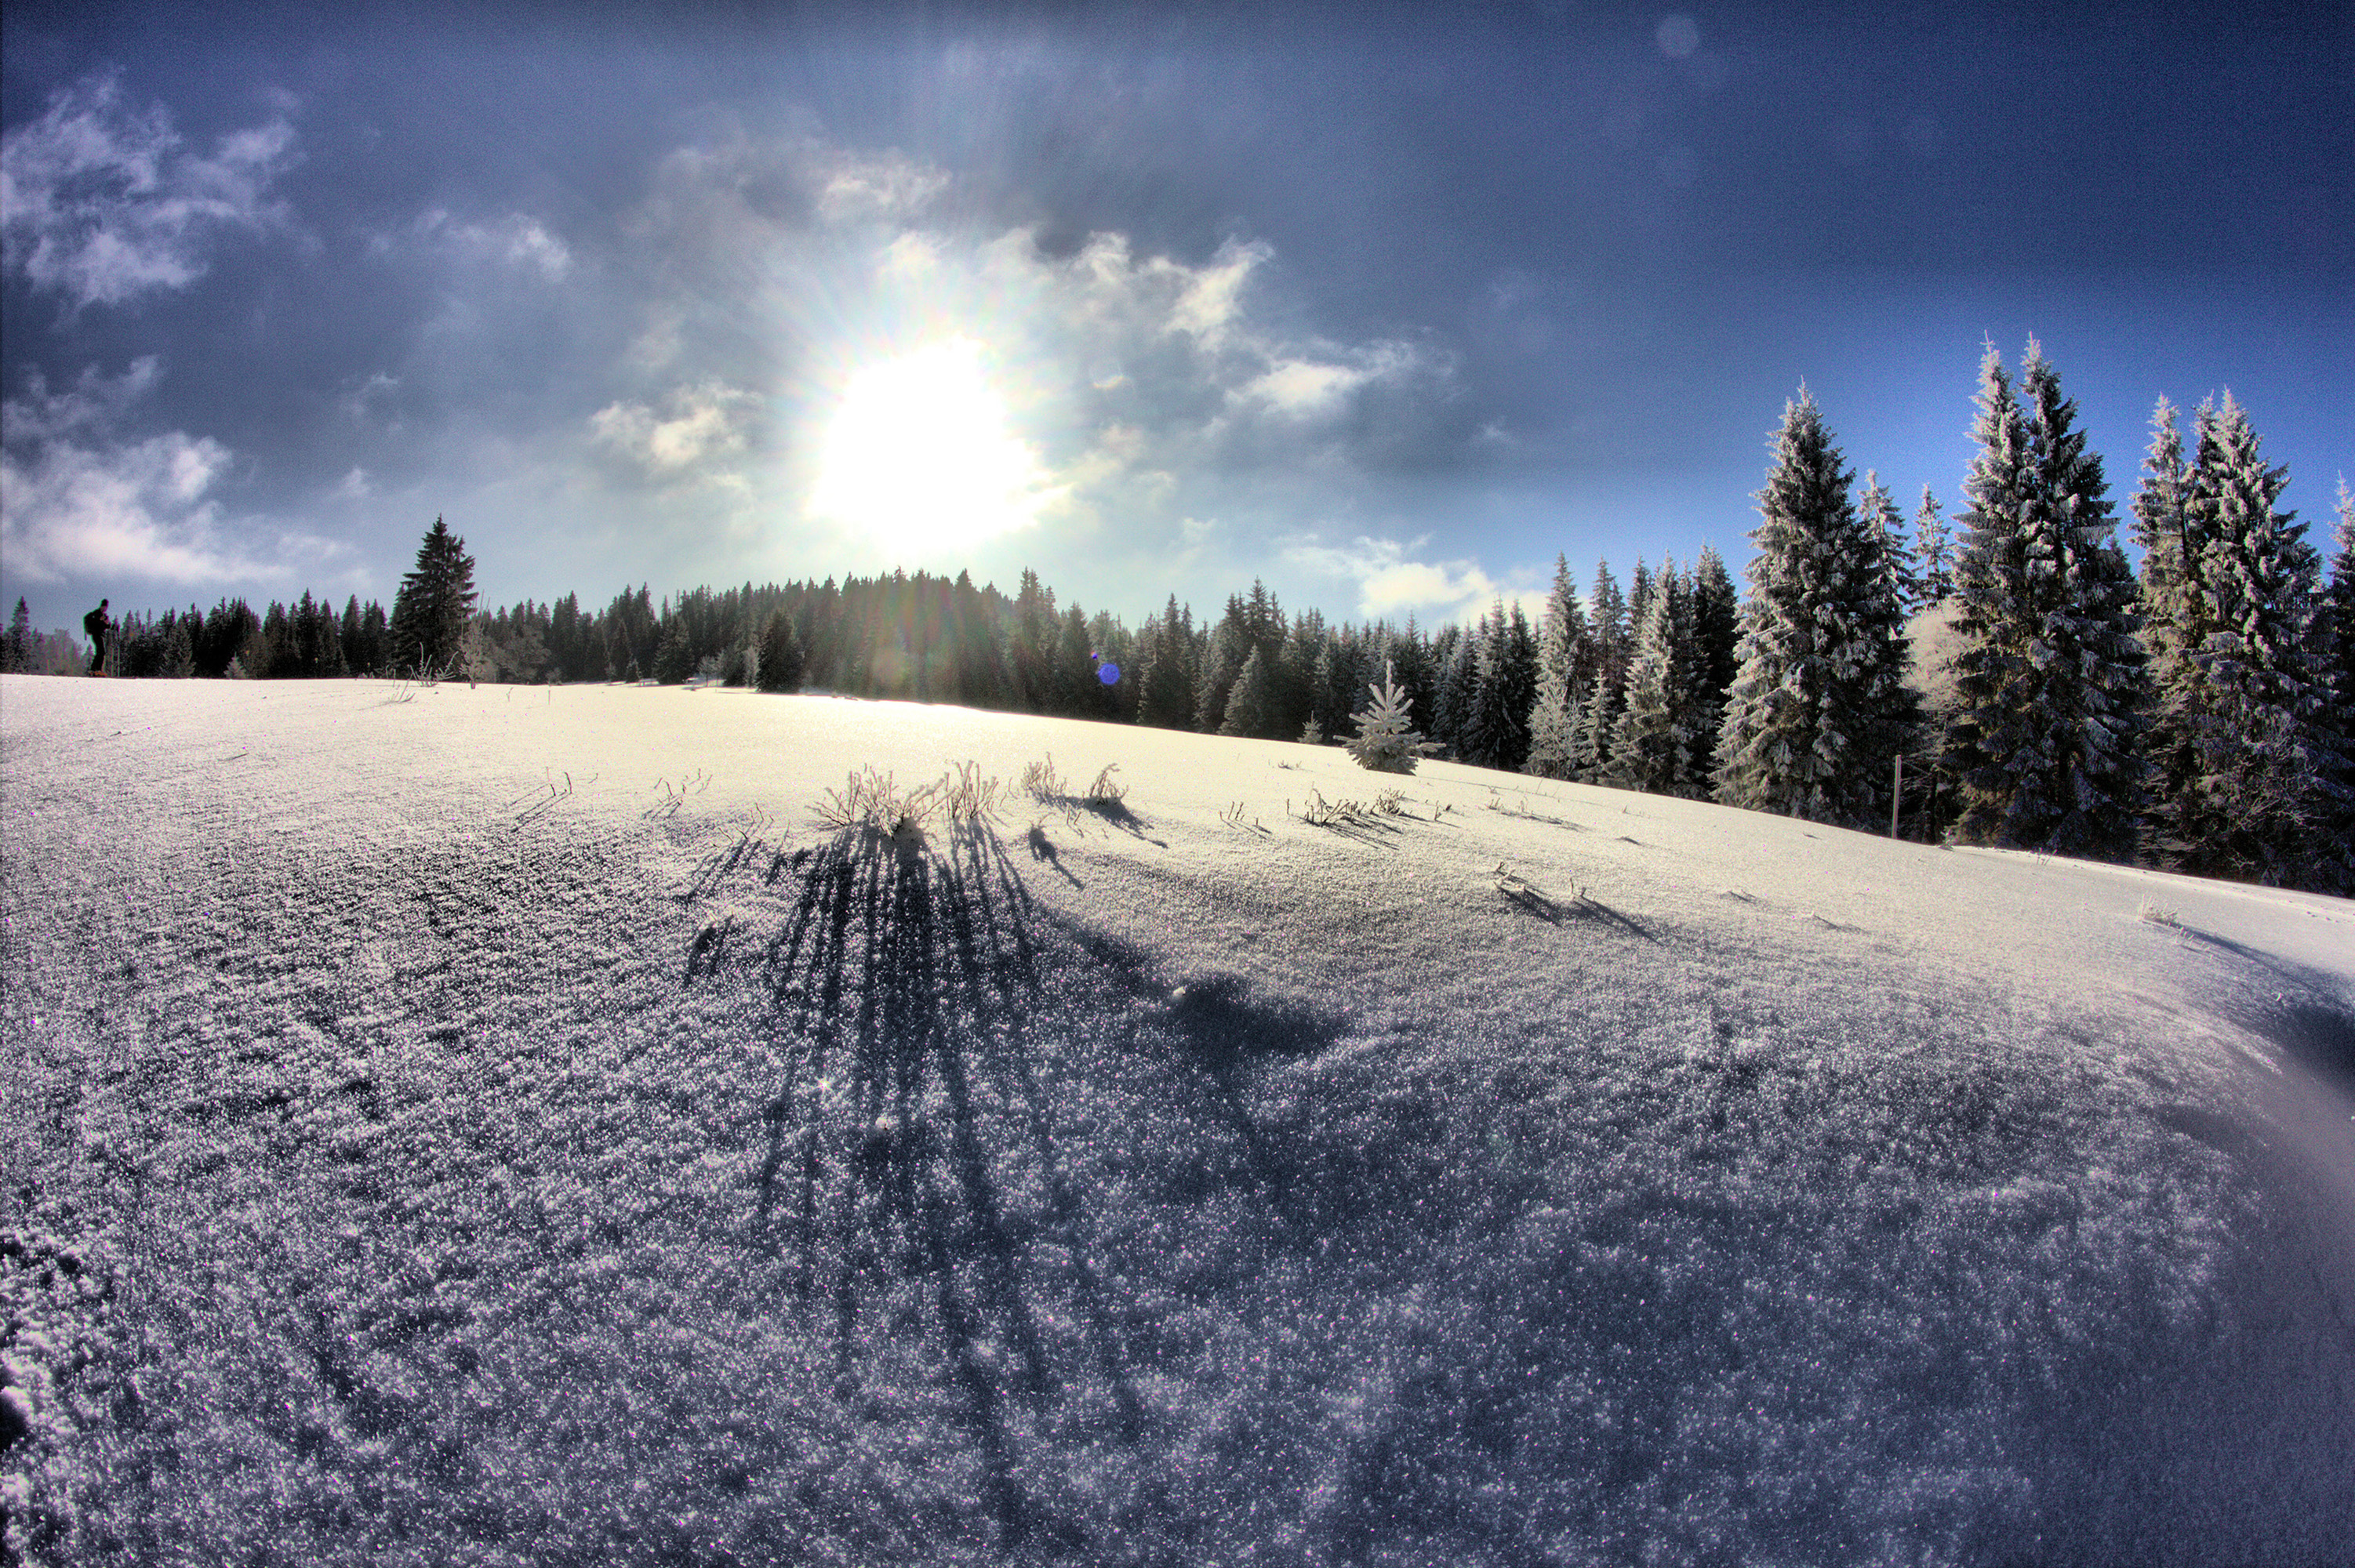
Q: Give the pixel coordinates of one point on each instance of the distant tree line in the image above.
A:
(2193, 716)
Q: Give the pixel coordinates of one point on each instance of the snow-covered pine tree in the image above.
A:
(1879, 510)
(1650, 748)
(1552, 721)
(1479, 737)
(1215, 678)
(1600, 698)
(17, 652)
(1934, 547)
(1386, 742)
(2249, 765)
(1457, 653)
(2051, 678)
(2337, 660)
(2336, 645)
(2339, 605)
(1820, 703)
(1639, 605)
(1507, 685)
(1717, 641)
(2160, 528)
(778, 659)
(435, 604)
(1247, 700)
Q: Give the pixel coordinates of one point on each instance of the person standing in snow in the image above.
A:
(95, 624)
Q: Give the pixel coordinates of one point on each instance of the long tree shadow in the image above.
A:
(912, 1186)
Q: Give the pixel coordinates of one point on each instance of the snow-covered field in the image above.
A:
(499, 1126)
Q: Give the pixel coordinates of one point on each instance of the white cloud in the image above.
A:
(132, 510)
(1389, 584)
(78, 500)
(705, 421)
(103, 204)
(858, 187)
(355, 486)
(1301, 387)
(514, 240)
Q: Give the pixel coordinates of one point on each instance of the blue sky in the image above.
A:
(1385, 306)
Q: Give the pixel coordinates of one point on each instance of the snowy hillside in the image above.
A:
(500, 1126)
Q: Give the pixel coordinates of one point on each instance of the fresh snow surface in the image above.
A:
(498, 1126)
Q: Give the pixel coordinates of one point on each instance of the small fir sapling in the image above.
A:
(1384, 744)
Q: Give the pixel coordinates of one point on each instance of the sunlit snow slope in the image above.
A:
(499, 1125)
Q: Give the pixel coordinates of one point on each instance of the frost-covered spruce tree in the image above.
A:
(2335, 643)
(2052, 688)
(1507, 685)
(1386, 742)
(1601, 697)
(1879, 510)
(1933, 546)
(2250, 769)
(1456, 652)
(1717, 639)
(1651, 748)
(1820, 703)
(1480, 733)
(1247, 701)
(435, 604)
(2338, 627)
(1552, 714)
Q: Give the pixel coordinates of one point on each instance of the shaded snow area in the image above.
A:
(502, 1126)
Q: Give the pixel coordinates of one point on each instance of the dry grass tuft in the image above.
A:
(967, 796)
(874, 803)
(1042, 782)
(2158, 914)
(1104, 791)
(1319, 812)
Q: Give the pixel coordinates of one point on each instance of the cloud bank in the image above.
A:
(102, 203)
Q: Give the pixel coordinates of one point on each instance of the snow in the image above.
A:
(498, 1126)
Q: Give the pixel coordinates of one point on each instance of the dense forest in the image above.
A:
(2194, 714)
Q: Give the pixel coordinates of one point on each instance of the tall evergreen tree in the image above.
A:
(1820, 704)
(18, 653)
(2052, 683)
(1221, 661)
(435, 603)
(1717, 651)
(2336, 645)
(1247, 700)
(778, 664)
(1879, 510)
(1552, 721)
(2250, 773)
(1457, 653)
(1166, 689)
(1605, 689)
(2336, 624)
(1934, 547)
(1651, 748)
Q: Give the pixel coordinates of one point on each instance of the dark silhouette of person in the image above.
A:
(95, 624)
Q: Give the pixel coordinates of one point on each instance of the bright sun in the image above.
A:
(918, 455)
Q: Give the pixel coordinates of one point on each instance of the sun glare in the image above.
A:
(918, 454)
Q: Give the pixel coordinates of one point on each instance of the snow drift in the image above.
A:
(498, 1126)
